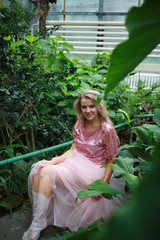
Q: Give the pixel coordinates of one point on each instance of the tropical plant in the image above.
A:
(39, 85)
(141, 214)
(14, 29)
(135, 165)
(144, 36)
(29, 91)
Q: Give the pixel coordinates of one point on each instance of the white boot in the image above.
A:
(34, 202)
(40, 220)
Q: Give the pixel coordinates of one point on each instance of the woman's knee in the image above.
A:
(45, 172)
(35, 178)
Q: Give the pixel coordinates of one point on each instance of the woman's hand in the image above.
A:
(98, 197)
(44, 162)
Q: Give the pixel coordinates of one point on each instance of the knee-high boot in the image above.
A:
(34, 202)
(39, 218)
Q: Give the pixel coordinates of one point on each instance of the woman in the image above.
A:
(55, 184)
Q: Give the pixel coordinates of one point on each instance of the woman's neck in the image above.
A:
(93, 124)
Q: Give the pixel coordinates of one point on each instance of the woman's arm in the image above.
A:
(61, 158)
(108, 172)
(107, 177)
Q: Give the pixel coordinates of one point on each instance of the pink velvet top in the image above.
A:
(98, 145)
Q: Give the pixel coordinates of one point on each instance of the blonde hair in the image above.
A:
(102, 111)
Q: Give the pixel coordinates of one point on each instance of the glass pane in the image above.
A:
(87, 7)
(58, 8)
(82, 5)
(119, 6)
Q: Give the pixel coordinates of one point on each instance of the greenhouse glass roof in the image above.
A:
(92, 10)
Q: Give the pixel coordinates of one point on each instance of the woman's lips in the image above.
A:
(88, 115)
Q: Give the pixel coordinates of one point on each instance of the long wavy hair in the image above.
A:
(102, 111)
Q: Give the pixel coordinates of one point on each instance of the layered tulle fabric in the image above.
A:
(66, 180)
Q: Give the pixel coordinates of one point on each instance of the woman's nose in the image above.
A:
(88, 109)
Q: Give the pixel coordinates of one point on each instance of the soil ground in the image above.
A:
(13, 228)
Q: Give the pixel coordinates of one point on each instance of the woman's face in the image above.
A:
(89, 110)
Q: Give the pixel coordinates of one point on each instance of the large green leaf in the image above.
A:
(154, 150)
(131, 180)
(87, 193)
(151, 127)
(125, 163)
(157, 116)
(142, 136)
(122, 165)
(140, 152)
(157, 136)
(143, 24)
(99, 187)
(144, 167)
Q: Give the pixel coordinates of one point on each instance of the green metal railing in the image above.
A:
(53, 148)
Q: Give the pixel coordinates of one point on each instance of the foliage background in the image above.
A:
(39, 84)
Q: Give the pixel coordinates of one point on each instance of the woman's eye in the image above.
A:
(85, 107)
(92, 106)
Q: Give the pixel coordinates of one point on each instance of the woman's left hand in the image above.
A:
(44, 161)
(98, 197)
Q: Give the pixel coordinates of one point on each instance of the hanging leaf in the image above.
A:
(125, 115)
(144, 35)
(125, 163)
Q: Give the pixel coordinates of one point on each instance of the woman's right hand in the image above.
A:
(43, 162)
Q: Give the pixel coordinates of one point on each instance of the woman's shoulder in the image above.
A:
(78, 125)
(109, 132)
(107, 126)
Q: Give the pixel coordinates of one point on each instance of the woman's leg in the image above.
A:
(35, 183)
(44, 184)
(42, 190)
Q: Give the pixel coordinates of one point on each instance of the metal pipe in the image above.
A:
(133, 120)
(123, 124)
(28, 155)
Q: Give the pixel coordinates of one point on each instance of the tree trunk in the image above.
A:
(43, 8)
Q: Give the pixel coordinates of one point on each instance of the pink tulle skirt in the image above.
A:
(66, 180)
